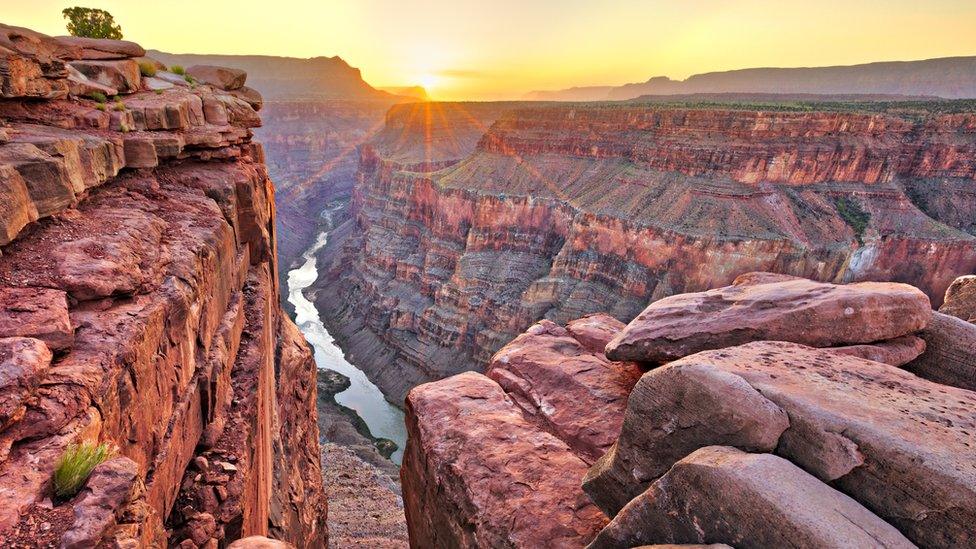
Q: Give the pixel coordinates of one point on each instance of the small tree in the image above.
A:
(91, 23)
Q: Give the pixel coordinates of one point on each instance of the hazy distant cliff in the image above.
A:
(564, 211)
(950, 77)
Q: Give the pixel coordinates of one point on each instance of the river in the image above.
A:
(384, 419)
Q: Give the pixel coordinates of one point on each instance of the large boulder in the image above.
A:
(80, 85)
(249, 95)
(950, 352)
(896, 352)
(16, 207)
(100, 503)
(121, 74)
(960, 298)
(897, 443)
(574, 392)
(477, 473)
(758, 308)
(39, 313)
(721, 494)
(224, 78)
(101, 48)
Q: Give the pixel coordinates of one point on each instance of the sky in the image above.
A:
(502, 49)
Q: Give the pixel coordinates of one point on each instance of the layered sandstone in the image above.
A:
(562, 211)
(141, 265)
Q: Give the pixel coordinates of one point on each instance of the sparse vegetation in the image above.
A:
(189, 79)
(147, 68)
(854, 215)
(158, 92)
(119, 105)
(178, 69)
(91, 23)
(75, 465)
(101, 106)
(98, 96)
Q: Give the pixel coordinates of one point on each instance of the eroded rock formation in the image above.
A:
(139, 308)
(753, 444)
(562, 211)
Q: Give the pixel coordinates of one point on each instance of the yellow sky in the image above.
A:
(505, 48)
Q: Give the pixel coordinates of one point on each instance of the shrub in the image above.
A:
(147, 68)
(854, 215)
(189, 79)
(91, 23)
(178, 69)
(75, 465)
(101, 106)
(158, 92)
(119, 105)
(98, 96)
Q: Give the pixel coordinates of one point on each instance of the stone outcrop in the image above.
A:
(476, 473)
(950, 352)
(719, 493)
(797, 310)
(755, 444)
(139, 307)
(558, 211)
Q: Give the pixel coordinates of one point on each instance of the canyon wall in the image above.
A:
(139, 308)
(560, 211)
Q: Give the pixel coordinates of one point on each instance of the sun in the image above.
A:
(428, 81)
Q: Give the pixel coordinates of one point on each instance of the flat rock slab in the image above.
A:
(960, 299)
(102, 48)
(897, 443)
(476, 473)
(221, 77)
(755, 308)
(574, 392)
(40, 313)
(747, 501)
(595, 331)
(950, 352)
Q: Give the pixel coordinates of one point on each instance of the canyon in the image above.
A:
(461, 235)
(139, 308)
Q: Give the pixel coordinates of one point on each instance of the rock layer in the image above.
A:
(562, 211)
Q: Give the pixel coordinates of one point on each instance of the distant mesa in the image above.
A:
(413, 92)
(292, 78)
(947, 77)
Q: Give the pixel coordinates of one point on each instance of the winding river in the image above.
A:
(384, 419)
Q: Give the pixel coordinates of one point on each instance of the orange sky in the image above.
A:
(505, 48)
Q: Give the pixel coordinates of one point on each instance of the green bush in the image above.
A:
(102, 107)
(98, 96)
(854, 215)
(177, 69)
(119, 105)
(75, 465)
(147, 68)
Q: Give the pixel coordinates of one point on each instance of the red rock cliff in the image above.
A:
(566, 210)
(139, 307)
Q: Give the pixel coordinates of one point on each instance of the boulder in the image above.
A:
(250, 95)
(224, 78)
(896, 352)
(100, 502)
(156, 84)
(16, 207)
(950, 352)
(23, 363)
(97, 49)
(572, 391)
(899, 444)
(721, 494)
(960, 298)
(477, 473)
(122, 75)
(758, 308)
(172, 78)
(39, 313)
(259, 542)
(41, 47)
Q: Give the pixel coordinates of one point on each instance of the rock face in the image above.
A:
(561, 211)
(960, 298)
(682, 507)
(462, 487)
(797, 310)
(139, 307)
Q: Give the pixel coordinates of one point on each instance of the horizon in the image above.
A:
(470, 52)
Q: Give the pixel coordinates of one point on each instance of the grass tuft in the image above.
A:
(147, 68)
(177, 69)
(76, 465)
(98, 96)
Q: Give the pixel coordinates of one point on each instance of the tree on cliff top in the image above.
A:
(91, 23)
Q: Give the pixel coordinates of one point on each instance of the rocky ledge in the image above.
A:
(139, 308)
(773, 424)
